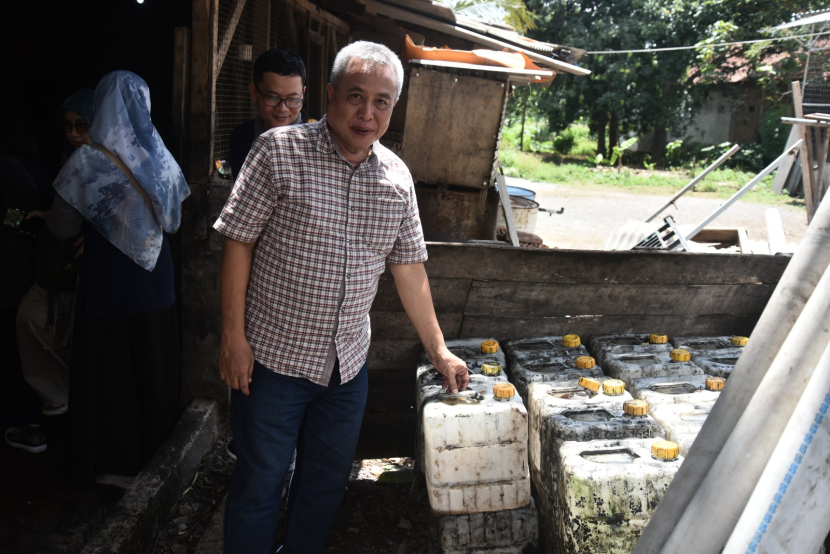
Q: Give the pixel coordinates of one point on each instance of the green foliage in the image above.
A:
(721, 182)
(564, 141)
(618, 150)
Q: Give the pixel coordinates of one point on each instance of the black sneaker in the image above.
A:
(231, 450)
(28, 438)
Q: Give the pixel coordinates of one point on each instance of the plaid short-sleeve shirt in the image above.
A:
(324, 232)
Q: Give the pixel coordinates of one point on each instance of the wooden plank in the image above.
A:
(333, 21)
(512, 299)
(200, 134)
(222, 50)
(507, 210)
(394, 353)
(784, 169)
(804, 152)
(504, 328)
(486, 262)
(448, 295)
(442, 144)
(396, 325)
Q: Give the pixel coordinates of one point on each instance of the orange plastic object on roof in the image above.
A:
(512, 60)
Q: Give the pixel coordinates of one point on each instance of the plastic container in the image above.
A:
(475, 452)
(673, 390)
(544, 398)
(606, 491)
(545, 347)
(600, 345)
(504, 532)
(717, 362)
(701, 344)
(638, 365)
(682, 422)
(429, 383)
(471, 351)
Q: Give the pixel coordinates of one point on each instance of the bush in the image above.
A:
(565, 141)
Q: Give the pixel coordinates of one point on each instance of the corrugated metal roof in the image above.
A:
(823, 17)
(484, 34)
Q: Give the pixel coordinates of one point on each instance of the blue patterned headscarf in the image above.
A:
(94, 186)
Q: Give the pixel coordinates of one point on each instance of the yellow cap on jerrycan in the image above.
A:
(667, 451)
(739, 341)
(489, 347)
(680, 355)
(490, 368)
(571, 341)
(613, 387)
(585, 362)
(504, 391)
(658, 338)
(591, 384)
(715, 383)
(635, 407)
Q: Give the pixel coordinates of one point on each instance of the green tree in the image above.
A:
(644, 92)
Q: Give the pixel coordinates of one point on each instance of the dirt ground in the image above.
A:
(591, 213)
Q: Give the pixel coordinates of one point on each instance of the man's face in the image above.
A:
(273, 88)
(360, 108)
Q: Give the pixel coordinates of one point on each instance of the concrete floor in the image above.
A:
(41, 510)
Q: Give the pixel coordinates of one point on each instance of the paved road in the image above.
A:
(591, 213)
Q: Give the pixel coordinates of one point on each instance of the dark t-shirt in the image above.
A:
(243, 136)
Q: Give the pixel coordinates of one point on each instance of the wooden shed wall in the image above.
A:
(504, 292)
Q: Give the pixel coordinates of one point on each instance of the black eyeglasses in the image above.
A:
(273, 100)
(80, 126)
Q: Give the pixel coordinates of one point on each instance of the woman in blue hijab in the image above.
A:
(124, 192)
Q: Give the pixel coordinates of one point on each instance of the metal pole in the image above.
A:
(746, 188)
(796, 285)
(728, 154)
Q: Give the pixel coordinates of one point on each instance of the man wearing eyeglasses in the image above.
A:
(317, 213)
(277, 90)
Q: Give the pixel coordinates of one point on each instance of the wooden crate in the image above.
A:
(453, 125)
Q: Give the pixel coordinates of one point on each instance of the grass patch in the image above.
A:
(574, 170)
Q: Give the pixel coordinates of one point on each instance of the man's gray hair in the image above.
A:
(372, 52)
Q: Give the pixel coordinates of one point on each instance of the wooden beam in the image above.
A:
(319, 13)
(507, 208)
(806, 158)
(202, 90)
(227, 38)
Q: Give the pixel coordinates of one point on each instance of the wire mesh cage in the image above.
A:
(248, 28)
(243, 35)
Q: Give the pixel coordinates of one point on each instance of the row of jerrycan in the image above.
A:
(597, 483)
(536, 360)
(475, 446)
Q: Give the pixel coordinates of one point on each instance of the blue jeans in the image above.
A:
(282, 413)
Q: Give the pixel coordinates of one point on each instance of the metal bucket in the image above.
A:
(525, 212)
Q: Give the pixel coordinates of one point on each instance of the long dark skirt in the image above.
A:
(124, 391)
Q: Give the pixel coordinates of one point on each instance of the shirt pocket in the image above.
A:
(379, 219)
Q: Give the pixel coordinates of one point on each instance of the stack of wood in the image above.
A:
(814, 129)
(528, 240)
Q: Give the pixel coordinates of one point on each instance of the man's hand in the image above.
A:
(236, 363)
(453, 370)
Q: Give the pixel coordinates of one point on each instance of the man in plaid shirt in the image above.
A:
(316, 213)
